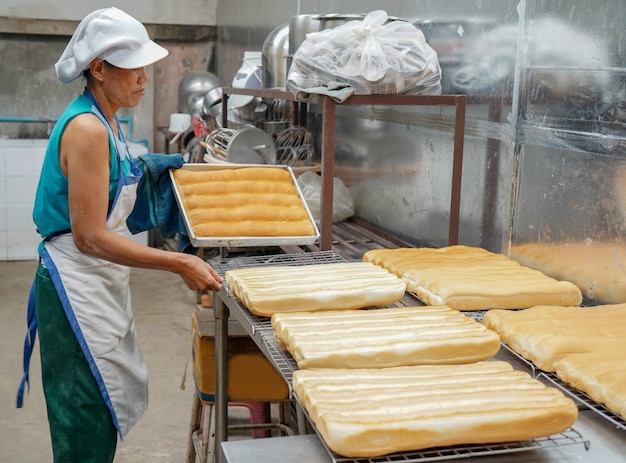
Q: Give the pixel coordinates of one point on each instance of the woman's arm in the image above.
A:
(85, 160)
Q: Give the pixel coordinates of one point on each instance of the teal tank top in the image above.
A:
(51, 209)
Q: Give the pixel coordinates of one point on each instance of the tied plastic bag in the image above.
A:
(311, 187)
(373, 56)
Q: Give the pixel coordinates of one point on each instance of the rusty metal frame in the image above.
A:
(328, 143)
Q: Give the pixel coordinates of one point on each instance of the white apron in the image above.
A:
(95, 294)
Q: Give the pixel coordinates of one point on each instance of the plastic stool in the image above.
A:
(253, 383)
(260, 413)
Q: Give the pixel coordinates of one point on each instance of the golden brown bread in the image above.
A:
(583, 346)
(470, 278)
(373, 412)
(246, 201)
(547, 334)
(387, 337)
(601, 374)
(339, 286)
(596, 267)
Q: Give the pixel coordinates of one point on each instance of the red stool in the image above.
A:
(253, 383)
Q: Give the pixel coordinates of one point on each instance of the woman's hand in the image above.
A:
(198, 275)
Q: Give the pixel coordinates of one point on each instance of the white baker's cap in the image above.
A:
(111, 35)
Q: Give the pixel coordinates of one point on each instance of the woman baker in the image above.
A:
(94, 378)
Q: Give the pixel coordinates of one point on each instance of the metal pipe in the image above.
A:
(123, 120)
(328, 169)
(221, 314)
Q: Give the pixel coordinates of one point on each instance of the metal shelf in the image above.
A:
(261, 331)
(328, 142)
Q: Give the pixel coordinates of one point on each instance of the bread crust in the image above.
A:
(243, 202)
(596, 267)
(469, 278)
(336, 286)
(373, 412)
(601, 374)
(383, 337)
(583, 346)
(547, 334)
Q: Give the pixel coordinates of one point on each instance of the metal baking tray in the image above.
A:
(242, 241)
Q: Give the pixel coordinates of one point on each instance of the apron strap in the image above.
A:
(29, 344)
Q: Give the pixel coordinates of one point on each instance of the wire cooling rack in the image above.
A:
(284, 363)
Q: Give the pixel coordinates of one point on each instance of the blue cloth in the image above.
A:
(156, 206)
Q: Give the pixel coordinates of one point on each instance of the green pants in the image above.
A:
(81, 426)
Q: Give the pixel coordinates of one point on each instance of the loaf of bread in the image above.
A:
(545, 335)
(336, 286)
(246, 201)
(583, 346)
(596, 267)
(470, 278)
(601, 374)
(386, 337)
(373, 412)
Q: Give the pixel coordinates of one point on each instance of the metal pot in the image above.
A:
(299, 26)
(274, 57)
(330, 21)
(194, 104)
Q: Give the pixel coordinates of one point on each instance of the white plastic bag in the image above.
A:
(310, 185)
(375, 56)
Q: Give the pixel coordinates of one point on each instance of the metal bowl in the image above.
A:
(194, 83)
(212, 101)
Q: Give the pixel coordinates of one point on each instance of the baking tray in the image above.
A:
(242, 241)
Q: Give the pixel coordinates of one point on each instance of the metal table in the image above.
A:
(608, 444)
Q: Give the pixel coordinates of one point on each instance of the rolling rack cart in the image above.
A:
(221, 312)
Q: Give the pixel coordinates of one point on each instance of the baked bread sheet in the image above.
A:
(387, 337)
(470, 278)
(373, 412)
(338, 286)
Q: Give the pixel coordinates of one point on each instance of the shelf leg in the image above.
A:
(221, 314)
(328, 172)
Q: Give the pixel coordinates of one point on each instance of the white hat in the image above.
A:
(111, 35)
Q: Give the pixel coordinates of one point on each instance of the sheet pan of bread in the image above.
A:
(242, 205)
(471, 278)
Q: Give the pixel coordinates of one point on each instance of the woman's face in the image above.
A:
(124, 87)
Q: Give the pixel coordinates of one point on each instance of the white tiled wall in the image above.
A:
(20, 164)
